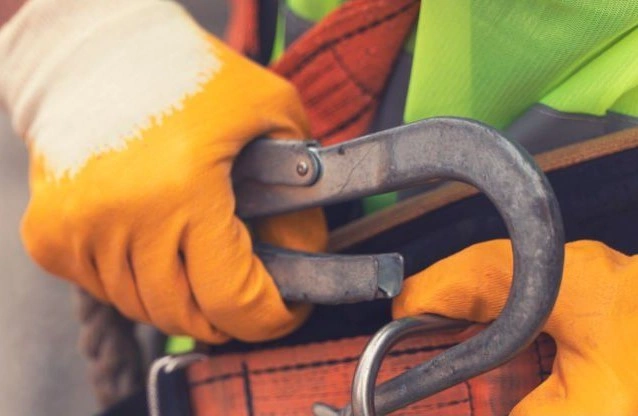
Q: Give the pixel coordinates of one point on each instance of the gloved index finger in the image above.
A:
(472, 284)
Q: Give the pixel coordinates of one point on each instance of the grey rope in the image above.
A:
(108, 341)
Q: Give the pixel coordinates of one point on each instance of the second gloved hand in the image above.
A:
(133, 116)
(594, 321)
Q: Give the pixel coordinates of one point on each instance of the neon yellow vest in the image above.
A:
(492, 60)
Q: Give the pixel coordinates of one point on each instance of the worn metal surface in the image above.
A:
(332, 279)
(307, 277)
(454, 149)
(278, 162)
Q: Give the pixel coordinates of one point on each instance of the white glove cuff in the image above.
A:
(81, 77)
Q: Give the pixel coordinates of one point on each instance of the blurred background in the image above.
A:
(43, 374)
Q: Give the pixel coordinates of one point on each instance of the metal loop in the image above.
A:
(365, 375)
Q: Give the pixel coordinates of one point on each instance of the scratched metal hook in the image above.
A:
(407, 156)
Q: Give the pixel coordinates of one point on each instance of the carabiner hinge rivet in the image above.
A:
(302, 168)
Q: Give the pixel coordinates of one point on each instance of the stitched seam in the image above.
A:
(348, 122)
(215, 379)
(247, 389)
(314, 364)
(470, 399)
(447, 404)
(316, 99)
(329, 44)
(311, 77)
(351, 76)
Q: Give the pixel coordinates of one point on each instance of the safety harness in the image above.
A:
(346, 96)
(342, 87)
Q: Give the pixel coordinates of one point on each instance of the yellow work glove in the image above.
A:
(594, 321)
(133, 115)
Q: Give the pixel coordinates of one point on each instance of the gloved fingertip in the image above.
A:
(471, 284)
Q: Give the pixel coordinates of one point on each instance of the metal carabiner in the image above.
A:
(410, 155)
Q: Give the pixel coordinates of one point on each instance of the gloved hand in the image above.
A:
(133, 115)
(594, 321)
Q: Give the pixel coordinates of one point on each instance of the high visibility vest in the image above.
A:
(493, 60)
(547, 74)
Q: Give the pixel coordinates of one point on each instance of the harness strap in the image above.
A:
(241, 30)
(289, 380)
(341, 66)
(344, 238)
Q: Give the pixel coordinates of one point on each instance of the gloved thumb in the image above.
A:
(472, 285)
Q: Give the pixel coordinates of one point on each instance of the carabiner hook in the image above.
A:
(413, 154)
